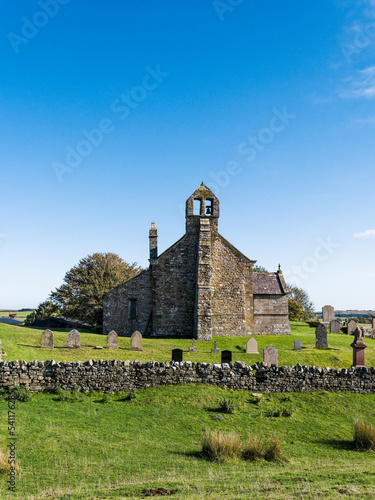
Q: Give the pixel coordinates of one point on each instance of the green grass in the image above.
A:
(24, 344)
(85, 450)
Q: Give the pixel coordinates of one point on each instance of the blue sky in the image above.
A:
(112, 113)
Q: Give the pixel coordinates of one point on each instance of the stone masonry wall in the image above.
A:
(115, 375)
(116, 306)
(271, 315)
(232, 291)
(174, 288)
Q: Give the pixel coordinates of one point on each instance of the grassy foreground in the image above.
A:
(24, 344)
(88, 449)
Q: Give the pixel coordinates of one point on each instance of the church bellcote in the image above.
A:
(202, 204)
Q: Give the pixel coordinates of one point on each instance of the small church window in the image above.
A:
(197, 207)
(209, 207)
(133, 309)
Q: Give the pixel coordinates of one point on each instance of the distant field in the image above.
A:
(24, 344)
(21, 315)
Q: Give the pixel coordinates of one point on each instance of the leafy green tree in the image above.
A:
(45, 310)
(296, 312)
(301, 297)
(81, 295)
(259, 269)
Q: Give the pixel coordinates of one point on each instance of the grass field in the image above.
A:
(24, 344)
(121, 448)
(89, 449)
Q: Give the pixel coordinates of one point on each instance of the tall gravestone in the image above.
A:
(373, 321)
(270, 356)
(358, 347)
(177, 355)
(215, 349)
(252, 346)
(46, 340)
(352, 326)
(112, 340)
(335, 326)
(321, 336)
(74, 339)
(297, 345)
(328, 313)
(226, 356)
(193, 347)
(136, 341)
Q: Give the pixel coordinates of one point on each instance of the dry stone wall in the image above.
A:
(116, 375)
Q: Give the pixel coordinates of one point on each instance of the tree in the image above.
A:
(81, 295)
(259, 269)
(302, 298)
(45, 310)
(296, 312)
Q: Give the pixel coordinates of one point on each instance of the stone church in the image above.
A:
(200, 287)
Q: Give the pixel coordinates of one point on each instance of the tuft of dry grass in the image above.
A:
(4, 463)
(253, 449)
(273, 450)
(364, 435)
(221, 446)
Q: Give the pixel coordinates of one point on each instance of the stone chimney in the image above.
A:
(153, 243)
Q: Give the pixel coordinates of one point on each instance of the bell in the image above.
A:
(208, 211)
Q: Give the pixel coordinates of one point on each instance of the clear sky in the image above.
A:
(113, 112)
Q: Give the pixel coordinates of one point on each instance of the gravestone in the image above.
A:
(321, 336)
(46, 340)
(136, 341)
(358, 349)
(328, 313)
(352, 326)
(373, 321)
(193, 347)
(297, 345)
(226, 357)
(270, 355)
(252, 346)
(112, 340)
(215, 349)
(335, 326)
(177, 355)
(74, 339)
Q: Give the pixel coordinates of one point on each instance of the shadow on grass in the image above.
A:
(339, 444)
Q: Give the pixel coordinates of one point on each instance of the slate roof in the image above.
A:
(267, 284)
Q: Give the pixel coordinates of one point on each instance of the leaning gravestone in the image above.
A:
(328, 313)
(297, 345)
(112, 340)
(193, 347)
(177, 355)
(252, 346)
(270, 355)
(136, 341)
(215, 349)
(335, 326)
(321, 336)
(74, 339)
(226, 357)
(352, 326)
(46, 340)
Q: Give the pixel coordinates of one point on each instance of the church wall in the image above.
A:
(271, 315)
(175, 289)
(231, 284)
(116, 313)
